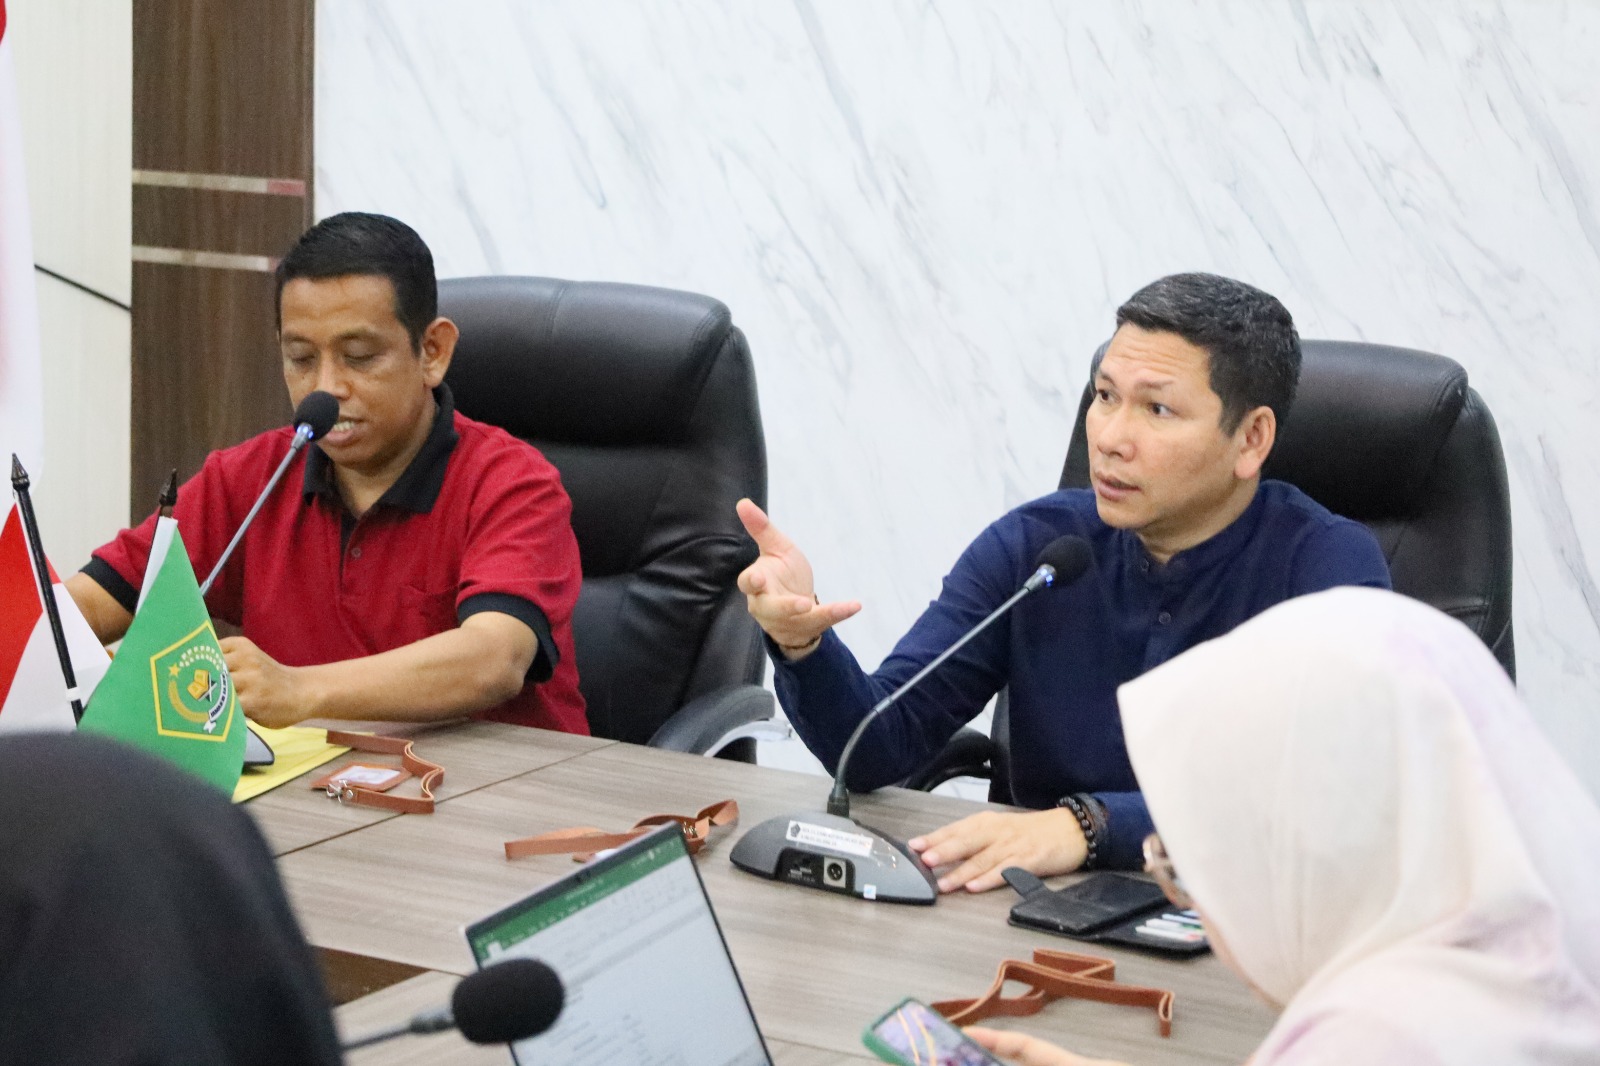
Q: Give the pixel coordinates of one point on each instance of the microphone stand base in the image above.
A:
(834, 854)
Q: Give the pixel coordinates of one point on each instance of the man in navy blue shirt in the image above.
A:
(1188, 543)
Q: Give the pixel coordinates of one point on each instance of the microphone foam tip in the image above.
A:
(507, 1002)
(318, 411)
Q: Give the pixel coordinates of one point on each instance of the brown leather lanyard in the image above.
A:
(586, 840)
(428, 774)
(1050, 976)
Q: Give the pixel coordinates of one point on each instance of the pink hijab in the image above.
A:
(1377, 830)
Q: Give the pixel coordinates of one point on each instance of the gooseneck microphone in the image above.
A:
(1063, 559)
(834, 852)
(312, 420)
(500, 1004)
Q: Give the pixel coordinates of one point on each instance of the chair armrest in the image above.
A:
(967, 754)
(704, 725)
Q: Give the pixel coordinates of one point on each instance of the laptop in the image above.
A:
(647, 973)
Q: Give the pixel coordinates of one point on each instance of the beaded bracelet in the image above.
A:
(1091, 819)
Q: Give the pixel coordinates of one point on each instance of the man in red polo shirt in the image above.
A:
(418, 565)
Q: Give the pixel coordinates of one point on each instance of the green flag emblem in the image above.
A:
(168, 690)
(194, 696)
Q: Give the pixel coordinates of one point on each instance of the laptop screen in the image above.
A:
(647, 974)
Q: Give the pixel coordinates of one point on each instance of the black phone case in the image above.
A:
(1104, 907)
(1126, 935)
(1093, 904)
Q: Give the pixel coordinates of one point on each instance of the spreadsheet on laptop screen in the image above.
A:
(647, 975)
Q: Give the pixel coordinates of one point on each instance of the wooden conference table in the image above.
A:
(379, 891)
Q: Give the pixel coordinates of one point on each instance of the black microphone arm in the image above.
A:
(316, 415)
(836, 853)
(499, 1004)
(434, 1021)
(839, 798)
(1064, 552)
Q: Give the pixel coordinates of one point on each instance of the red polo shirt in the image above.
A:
(478, 522)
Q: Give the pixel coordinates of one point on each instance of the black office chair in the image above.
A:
(645, 400)
(1393, 438)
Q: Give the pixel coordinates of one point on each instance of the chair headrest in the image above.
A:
(1362, 438)
(529, 345)
(1367, 426)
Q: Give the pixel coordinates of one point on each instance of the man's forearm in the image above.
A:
(825, 698)
(108, 618)
(449, 675)
(826, 693)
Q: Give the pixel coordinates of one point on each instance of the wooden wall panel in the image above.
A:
(222, 136)
(204, 218)
(214, 380)
(223, 87)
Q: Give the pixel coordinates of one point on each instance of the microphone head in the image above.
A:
(318, 411)
(1070, 556)
(507, 1002)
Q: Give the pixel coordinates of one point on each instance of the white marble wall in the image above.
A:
(924, 215)
(75, 86)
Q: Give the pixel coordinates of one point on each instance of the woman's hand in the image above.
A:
(1030, 1051)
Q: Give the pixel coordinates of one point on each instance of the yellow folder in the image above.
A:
(297, 749)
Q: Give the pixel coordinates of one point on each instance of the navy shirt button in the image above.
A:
(1144, 564)
(1164, 617)
(355, 553)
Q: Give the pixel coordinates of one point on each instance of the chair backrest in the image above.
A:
(645, 400)
(1397, 440)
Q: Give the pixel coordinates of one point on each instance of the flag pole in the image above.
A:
(47, 592)
(169, 496)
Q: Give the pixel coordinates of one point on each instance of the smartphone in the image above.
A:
(914, 1034)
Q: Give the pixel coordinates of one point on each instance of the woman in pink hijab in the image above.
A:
(1380, 839)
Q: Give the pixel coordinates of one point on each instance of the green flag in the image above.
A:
(168, 690)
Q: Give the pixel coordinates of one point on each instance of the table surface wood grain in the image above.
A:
(817, 967)
(474, 754)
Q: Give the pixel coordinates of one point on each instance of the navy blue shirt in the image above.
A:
(1064, 651)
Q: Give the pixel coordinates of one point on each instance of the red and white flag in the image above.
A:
(21, 374)
(33, 690)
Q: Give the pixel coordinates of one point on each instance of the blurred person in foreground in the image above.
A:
(1188, 542)
(142, 922)
(1378, 837)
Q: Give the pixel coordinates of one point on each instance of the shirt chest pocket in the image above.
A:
(424, 613)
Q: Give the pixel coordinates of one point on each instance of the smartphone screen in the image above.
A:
(913, 1034)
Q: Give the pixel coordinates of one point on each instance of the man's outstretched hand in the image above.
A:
(779, 591)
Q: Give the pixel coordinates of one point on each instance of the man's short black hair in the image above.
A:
(1254, 349)
(356, 242)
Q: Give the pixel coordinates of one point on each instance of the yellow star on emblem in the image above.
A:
(173, 670)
